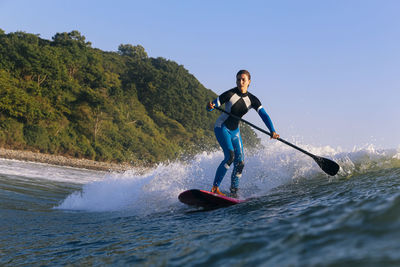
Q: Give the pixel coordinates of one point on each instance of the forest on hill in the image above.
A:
(63, 97)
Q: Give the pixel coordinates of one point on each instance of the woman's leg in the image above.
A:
(238, 162)
(224, 140)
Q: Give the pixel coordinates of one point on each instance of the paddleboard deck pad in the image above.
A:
(206, 199)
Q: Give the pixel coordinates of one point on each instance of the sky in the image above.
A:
(326, 71)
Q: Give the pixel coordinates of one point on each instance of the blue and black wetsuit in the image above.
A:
(228, 134)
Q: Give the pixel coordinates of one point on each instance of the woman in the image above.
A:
(238, 101)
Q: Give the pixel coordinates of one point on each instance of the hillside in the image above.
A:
(63, 97)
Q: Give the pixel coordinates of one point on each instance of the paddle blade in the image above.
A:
(328, 166)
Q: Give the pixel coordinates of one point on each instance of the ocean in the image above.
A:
(295, 214)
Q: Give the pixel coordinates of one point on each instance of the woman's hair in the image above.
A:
(244, 72)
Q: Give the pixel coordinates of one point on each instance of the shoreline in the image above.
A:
(25, 155)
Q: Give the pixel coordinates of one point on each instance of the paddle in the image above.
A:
(328, 166)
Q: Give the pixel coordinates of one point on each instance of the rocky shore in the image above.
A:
(62, 161)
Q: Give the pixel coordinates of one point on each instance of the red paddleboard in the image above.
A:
(206, 199)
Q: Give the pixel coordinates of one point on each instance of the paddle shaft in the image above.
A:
(268, 133)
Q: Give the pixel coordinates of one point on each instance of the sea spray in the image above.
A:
(367, 158)
(156, 189)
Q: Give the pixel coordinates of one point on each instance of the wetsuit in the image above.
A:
(228, 134)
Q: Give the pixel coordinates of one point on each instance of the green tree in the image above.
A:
(136, 52)
(64, 97)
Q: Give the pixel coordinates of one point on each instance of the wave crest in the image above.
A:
(156, 190)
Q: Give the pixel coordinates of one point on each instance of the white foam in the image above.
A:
(152, 191)
(43, 171)
(366, 158)
(397, 155)
(156, 190)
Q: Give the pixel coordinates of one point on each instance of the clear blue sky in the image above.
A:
(327, 71)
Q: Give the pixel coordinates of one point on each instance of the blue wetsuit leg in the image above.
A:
(224, 140)
(232, 145)
(238, 162)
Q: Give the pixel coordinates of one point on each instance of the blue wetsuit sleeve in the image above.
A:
(266, 119)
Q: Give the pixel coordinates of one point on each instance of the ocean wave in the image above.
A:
(366, 159)
(156, 189)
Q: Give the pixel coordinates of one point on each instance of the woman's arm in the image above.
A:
(267, 120)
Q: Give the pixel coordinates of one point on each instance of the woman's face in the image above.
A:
(242, 82)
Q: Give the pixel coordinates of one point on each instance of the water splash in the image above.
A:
(367, 158)
(156, 190)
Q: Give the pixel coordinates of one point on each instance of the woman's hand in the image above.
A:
(275, 135)
(210, 106)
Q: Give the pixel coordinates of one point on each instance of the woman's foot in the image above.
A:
(215, 190)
